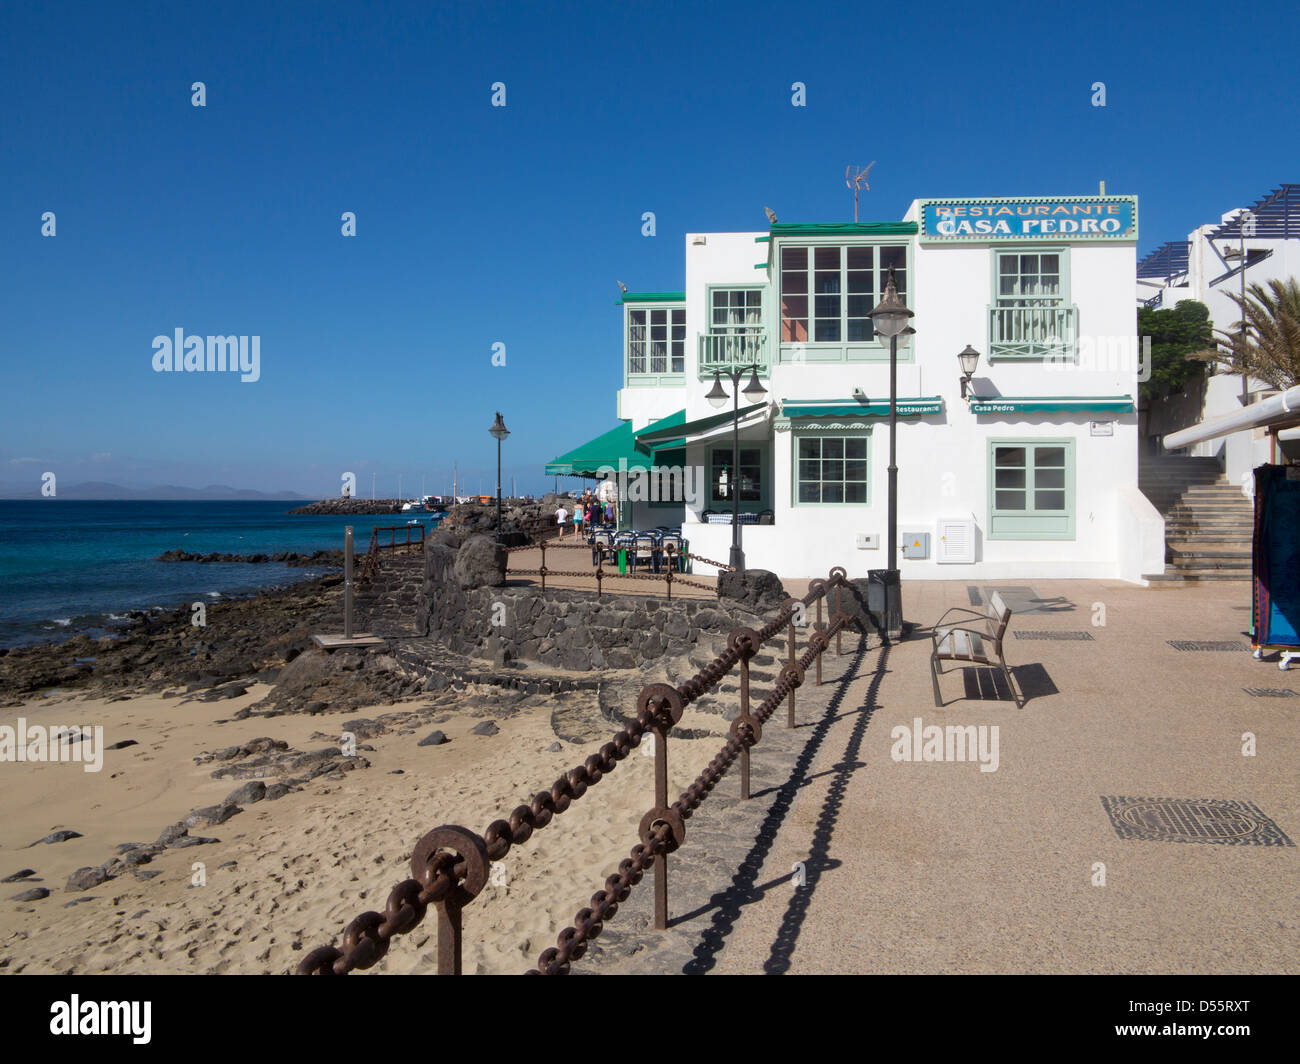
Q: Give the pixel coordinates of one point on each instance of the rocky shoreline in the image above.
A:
(285, 557)
(241, 638)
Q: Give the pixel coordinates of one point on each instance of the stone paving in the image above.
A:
(939, 867)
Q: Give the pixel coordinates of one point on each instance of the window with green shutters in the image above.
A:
(1031, 489)
(831, 469)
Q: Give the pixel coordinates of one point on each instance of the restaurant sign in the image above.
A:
(1033, 218)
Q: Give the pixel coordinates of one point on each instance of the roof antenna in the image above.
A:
(860, 178)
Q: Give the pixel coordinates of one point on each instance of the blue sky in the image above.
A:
(478, 225)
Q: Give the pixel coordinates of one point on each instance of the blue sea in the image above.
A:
(69, 566)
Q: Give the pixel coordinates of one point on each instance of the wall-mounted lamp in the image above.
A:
(969, 359)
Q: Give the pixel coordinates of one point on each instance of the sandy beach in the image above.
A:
(287, 875)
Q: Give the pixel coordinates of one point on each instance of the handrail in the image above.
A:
(450, 864)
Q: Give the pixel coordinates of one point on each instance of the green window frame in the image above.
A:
(1030, 314)
(831, 469)
(1031, 489)
(827, 290)
(735, 310)
(656, 343)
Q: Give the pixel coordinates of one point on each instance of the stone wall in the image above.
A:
(573, 630)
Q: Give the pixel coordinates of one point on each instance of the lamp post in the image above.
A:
(499, 432)
(717, 397)
(890, 319)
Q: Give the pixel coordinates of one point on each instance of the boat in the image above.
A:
(426, 505)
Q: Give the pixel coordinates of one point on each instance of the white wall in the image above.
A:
(943, 460)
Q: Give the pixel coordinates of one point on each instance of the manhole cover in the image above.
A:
(1271, 692)
(1192, 820)
(1207, 644)
(1078, 636)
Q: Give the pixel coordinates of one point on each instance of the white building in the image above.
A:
(1207, 267)
(1034, 475)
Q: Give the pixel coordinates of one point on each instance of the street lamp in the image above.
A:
(890, 319)
(499, 432)
(968, 360)
(717, 397)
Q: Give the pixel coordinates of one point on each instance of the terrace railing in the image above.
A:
(451, 864)
(724, 350)
(670, 558)
(1032, 332)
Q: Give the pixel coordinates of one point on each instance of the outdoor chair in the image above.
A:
(601, 545)
(973, 640)
(647, 550)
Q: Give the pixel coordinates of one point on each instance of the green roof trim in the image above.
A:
(761, 239)
(907, 407)
(1049, 404)
(847, 229)
(652, 297)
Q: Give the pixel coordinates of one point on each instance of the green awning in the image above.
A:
(1052, 404)
(672, 421)
(912, 406)
(604, 450)
(673, 431)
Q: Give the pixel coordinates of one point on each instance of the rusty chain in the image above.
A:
(451, 860)
(665, 836)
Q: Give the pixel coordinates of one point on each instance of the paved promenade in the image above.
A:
(942, 867)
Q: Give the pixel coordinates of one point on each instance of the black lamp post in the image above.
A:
(890, 319)
(500, 432)
(717, 396)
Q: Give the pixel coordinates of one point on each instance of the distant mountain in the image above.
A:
(94, 489)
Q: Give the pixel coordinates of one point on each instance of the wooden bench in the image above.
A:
(973, 640)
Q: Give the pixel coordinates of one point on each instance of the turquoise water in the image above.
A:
(69, 566)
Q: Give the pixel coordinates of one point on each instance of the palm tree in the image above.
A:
(1269, 347)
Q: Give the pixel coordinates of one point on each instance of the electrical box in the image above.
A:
(868, 541)
(915, 544)
(956, 541)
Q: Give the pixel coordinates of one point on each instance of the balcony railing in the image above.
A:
(1032, 332)
(727, 350)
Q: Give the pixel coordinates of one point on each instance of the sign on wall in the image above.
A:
(1033, 218)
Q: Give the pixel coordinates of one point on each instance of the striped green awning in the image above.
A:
(912, 406)
(1052, 404)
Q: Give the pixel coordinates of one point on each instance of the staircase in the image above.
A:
(387, 603)
(1209, 523)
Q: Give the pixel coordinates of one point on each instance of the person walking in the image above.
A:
(561, 515)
